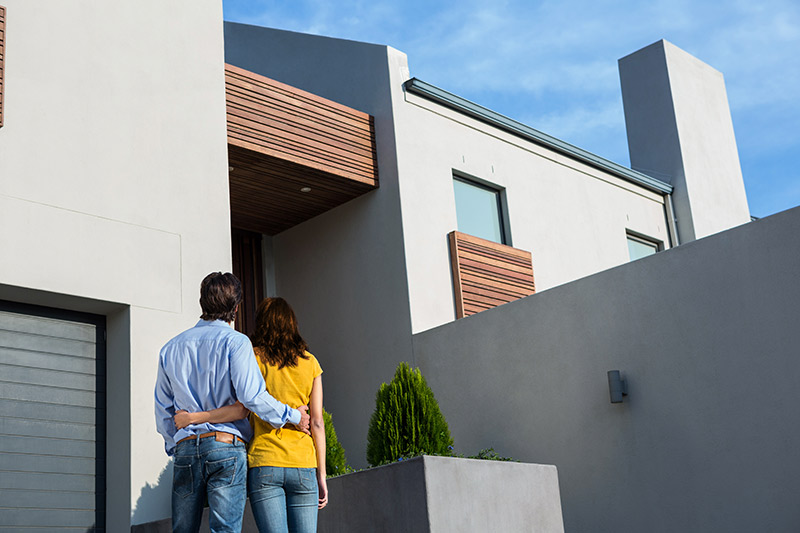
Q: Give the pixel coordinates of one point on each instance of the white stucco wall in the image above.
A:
(705, 335)
(114, 194)
(572, 217)
(680, 130)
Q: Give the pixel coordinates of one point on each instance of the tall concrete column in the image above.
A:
(680, 130)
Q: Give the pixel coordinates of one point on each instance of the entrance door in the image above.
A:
(52, 419)
(248, 267)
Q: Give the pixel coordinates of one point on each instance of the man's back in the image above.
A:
(197, 363)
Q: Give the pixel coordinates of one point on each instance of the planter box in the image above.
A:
(445, 494)
(433, 495)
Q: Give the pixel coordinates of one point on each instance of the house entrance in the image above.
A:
(248, 267)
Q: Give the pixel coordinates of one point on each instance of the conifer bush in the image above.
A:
(335, 461)
(407, 420)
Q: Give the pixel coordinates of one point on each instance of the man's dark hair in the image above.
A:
(219, 295)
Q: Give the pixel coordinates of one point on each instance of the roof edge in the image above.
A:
(466, 107)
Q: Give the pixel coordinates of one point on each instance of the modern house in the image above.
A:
(403, 223)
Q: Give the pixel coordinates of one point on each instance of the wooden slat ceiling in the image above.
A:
(2, 56)
(487, 274)
(281, 140)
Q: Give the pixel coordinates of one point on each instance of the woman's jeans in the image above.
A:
(207, 468)
(283, 499)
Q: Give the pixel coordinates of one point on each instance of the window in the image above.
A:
(639, 246)
(479, 209)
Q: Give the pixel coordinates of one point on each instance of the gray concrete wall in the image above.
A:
(680, 130)
(443, 495)
(343, 271)
(705, 334)
(114, 192)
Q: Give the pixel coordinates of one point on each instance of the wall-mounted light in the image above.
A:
(617, 387)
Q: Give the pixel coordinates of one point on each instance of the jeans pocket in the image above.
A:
(221, 473)
(308, 478)
(182, 480)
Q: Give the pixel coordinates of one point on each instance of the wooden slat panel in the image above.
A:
(487, 274)
(2, 57)
(282, 139)
(274, 118)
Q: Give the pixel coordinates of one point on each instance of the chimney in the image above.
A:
(680, 131)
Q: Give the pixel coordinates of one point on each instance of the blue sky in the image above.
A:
(553, 65)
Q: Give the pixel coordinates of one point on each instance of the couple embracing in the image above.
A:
(209, 380)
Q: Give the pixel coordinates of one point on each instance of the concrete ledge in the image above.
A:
(443, 494)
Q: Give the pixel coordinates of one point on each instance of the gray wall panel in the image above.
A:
(43, 446)
(52, 419)
(36, 359)
(53, 378)
(46, 411)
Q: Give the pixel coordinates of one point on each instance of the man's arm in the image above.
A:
(251, 391)
(228, 413)
(165, 408)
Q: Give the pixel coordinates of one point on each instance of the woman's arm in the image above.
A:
(318, 433)
(229, 413)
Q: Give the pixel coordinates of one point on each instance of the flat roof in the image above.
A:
(471, 109)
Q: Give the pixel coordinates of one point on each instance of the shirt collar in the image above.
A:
(215, 323)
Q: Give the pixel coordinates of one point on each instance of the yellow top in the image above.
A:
(286, 447)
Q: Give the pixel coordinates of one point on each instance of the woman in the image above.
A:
(286, 477)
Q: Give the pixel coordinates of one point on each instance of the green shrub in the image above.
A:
(488, 454)
(335, 461)
(407, 420)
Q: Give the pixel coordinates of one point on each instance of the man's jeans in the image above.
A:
(205, 467)
(283, 499)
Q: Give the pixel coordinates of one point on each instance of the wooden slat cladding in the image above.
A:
(2, 58)
(282, 139)
(487, 274)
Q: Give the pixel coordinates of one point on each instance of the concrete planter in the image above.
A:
(444, 494)
(433, 495)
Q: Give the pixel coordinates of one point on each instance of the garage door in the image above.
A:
(52, 420)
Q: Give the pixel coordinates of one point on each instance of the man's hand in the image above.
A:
(182, 419)
(305, 420)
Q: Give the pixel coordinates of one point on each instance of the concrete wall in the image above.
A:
(114, 194)
(706, 335)
(343, 271)
(680, 130)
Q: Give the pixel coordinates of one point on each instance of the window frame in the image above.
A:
(641, 238)
(502, 204)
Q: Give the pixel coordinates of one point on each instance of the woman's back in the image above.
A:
(285, 447)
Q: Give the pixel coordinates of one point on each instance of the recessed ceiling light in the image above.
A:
(305, 189)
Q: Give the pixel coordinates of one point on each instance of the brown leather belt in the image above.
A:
(220, 436)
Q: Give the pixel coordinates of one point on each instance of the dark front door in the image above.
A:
(248, 267)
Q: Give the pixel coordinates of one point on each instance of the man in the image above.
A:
(208, 366)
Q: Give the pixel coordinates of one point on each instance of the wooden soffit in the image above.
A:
(487, 274)
(283, 141)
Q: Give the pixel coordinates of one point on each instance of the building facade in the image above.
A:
(383, 208)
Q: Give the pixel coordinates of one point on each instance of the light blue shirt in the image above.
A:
(208, 366)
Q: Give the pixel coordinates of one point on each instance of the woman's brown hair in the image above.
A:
(277, 335)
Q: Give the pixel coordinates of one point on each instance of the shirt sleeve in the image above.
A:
(165, 408)
(250, 389)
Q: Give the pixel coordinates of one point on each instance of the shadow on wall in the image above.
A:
(154, 500)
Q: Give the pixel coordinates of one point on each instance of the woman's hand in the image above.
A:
(182, 419)
(323, 490)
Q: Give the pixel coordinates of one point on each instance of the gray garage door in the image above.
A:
(52, 420)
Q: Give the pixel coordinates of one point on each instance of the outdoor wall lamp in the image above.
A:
(617, 387)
